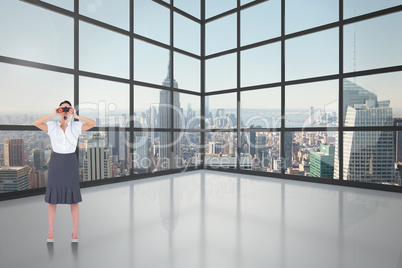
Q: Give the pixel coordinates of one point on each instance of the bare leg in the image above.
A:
(51, 216)
(74, 215)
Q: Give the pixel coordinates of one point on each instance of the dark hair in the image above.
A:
(66, 101)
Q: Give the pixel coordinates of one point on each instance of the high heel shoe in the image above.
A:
(73, 239)
(50, 239)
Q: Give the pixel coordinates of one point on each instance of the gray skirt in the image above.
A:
(63, 185)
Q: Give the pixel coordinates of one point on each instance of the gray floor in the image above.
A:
(209, 219)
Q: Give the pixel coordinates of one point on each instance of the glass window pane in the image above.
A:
(312, 55)
(187, 72)
(312, 104)
(104, 154)
(151, 63)
(24, 160)
(301, 15)
(151, 107)
(221, 34)
(105, 101)
(32, 33)
(152, 20)
(187, 114)
(369, 156)
(261, 108)
(353, 8)
(373, 43)
(151, 151)
(221, 150)
(103, 51)
(221, 111)
(192, 7)
(116, 13)
(260, 151)
(29, 93)
(261, 22)
(213, 7)
(311, 154)
(186, 34)
(261, 65)
(221, 73)
(374, 100)
(186, 151)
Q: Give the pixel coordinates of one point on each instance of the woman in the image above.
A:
(63, 184)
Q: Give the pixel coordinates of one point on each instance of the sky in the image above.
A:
(36, 34)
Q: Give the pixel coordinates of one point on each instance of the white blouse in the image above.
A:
(64, 142)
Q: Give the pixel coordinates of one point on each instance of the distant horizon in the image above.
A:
(121, 112)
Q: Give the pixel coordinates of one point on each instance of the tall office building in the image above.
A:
(189, 113)
(368, 156)
(141, 145)
(252, 144)
(124, 150)
(289, 136)
(165, 122)
(398, 141)
(261, 146)
(220, 119)
(231, 121)
(14, 178)
(97, 162)
(229, 147)
(39, 159)
(14, 152)
(354, 94)
(215, 147)
(35, 179)
(311, 118)
(113, 138)
(322, 162)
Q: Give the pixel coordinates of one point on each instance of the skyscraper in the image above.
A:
(39, 159)
(261, 146)
(220, 119)
(189, 113)
(14, 178)
(113, 139)
(354, 94)
(368, 156)
(14, 152)
(164, 121)
(252, 143)
(141, 161)
(288, 149)
(96, 162)
(322, 162)
(398, 141)
(311, 118)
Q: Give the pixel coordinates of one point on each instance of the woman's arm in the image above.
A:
(39, 123)
(89, 123)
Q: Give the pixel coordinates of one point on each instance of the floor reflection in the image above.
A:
(211, 219)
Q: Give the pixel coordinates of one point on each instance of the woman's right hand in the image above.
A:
(55, 113)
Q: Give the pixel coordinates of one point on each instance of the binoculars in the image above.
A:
(65, 109)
